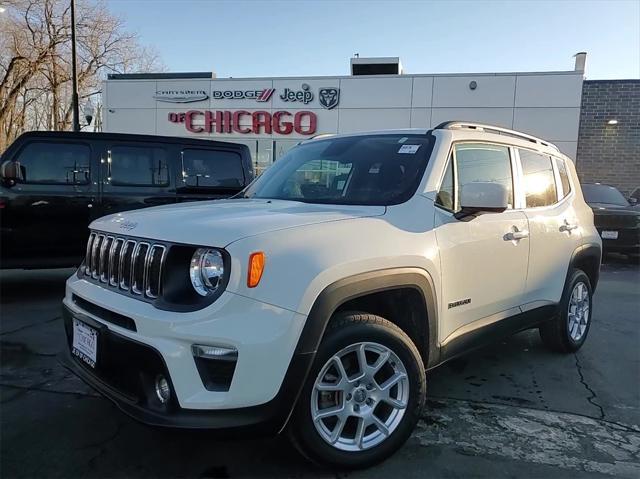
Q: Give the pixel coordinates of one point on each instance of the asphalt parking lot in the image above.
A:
(512, 409)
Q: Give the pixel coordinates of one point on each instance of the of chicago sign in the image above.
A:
(246, 122)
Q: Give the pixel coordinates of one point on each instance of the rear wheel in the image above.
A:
(568, 330)
(363, 396)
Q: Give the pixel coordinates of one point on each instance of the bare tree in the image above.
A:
(35, 61)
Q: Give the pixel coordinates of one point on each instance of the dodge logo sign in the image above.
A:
(329, 97)
(257, 95)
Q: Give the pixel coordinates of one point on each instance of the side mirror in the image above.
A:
(482, 197)
(633, 201)
(11, 171)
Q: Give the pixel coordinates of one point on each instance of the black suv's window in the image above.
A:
(354, 170)
(55, 163)
(138, 166)
(539, 181)
(211, 168)
(480, 162)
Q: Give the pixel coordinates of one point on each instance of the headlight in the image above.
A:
(206, 271)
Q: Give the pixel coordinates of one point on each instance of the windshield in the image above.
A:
(355, 170)
(603, 194)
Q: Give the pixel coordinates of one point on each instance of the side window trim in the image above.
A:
(520, 199)
(450, 160)
(556, 177)
(556, 162)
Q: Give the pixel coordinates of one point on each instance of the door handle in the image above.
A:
(515, 235)
(567, 227)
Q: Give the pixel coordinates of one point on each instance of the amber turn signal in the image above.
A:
(256, 266)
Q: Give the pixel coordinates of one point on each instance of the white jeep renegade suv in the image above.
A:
(315, 301)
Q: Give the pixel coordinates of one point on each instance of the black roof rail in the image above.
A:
(457, 125)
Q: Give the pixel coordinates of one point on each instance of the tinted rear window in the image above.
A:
(603, 194)
(211, 168)
(139, 166)
(55, 163)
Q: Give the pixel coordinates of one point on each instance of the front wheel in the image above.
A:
(364, 394)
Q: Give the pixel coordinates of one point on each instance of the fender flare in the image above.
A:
(588, 251)
(280, 408)
(352, 287)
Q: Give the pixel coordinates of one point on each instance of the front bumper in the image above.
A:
(138, 342)
(628, 241)
(132, 389)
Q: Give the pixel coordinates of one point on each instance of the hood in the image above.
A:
(609, 209)
(218, 223)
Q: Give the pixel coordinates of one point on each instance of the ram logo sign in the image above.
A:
(329, 97)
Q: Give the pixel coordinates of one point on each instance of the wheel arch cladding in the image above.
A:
(380, 292)
(587, 258)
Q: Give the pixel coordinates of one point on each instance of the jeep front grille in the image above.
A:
(125, 263)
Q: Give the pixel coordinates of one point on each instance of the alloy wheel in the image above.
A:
(360, 396)
(578, 313)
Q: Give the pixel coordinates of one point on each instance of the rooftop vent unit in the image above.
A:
(376, 66)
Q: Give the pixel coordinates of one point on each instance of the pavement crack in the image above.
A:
(616, 425)
(27, 326)
(103, 442)
(591, 399)
(50, 391)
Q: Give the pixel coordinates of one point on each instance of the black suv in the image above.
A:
(53, 184)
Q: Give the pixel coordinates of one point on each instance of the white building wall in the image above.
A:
(542, 104)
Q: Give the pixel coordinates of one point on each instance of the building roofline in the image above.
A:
(187, 76)
(161, 76)
(615, 80)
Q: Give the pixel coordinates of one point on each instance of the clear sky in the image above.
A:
(301, 38)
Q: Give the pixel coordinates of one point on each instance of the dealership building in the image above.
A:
(271, 115)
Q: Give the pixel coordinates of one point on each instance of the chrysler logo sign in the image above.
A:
(181, 96)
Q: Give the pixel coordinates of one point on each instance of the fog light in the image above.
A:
(163, 391)
(215, 352)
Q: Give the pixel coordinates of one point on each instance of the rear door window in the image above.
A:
(539, 181)
(55, 163)
(202, 168)
(138, 166)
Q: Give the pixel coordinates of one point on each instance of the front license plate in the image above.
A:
(609, 235)
(85, 342)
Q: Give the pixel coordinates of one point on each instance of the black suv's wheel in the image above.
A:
(364, 394)
(568, 329)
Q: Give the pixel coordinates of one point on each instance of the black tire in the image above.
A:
(555, 333)
(347, 329)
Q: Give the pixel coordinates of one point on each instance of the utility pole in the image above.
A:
(74, 73)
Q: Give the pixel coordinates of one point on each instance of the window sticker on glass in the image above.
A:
(403, 139)
(409, 149)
